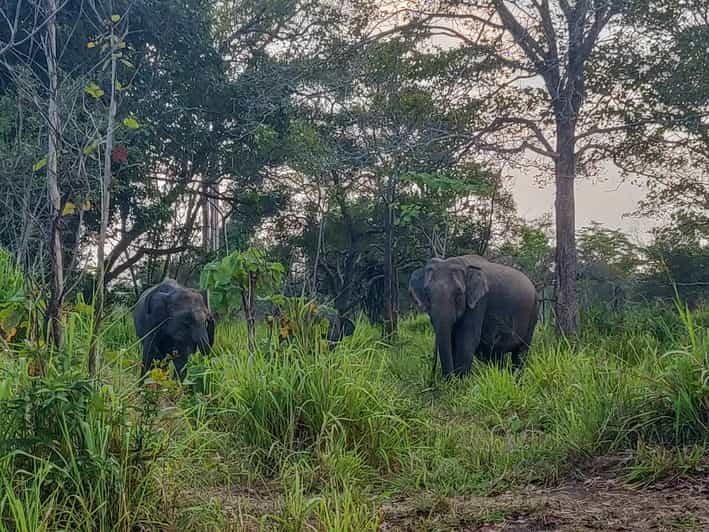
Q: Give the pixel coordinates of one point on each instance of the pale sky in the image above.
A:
(603, 201)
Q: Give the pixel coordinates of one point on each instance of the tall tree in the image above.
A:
(53, 150)
(538, 100)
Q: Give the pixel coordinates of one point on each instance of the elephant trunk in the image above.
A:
(444, 346)
(202, 342)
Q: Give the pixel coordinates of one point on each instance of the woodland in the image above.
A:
(294, 154)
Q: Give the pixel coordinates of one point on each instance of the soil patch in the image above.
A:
(592, 505)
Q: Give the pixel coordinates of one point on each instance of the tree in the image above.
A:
(527, 247)
(554, 44)
(52, 162)
(114, 38)
(668, 144)
(678, 265)
(385, 111)
(608, 265)
(235, 282)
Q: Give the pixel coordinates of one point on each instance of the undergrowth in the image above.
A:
(298, 440)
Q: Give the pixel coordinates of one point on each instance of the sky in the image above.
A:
(605, 201)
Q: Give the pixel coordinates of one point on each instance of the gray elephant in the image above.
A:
(173, 320)
(476, 308)
(338, 326)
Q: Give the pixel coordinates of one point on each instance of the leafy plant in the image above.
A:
(230, 279)
(16, 305)
(300, 321)
(235, 282)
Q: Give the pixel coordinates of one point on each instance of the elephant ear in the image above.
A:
(476, 286)
(416, 288)
(205, 298)
(157, 302)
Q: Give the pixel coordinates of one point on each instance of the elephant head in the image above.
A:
(173, 319)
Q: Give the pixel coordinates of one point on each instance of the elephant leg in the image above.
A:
(468, 331)
(521, 350)
(150, 354)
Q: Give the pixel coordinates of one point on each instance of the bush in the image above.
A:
(73, 447)
(17, 310)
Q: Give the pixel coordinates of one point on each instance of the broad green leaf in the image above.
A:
(115, 18)
(36, 167)
(131, 122)
(94, 90)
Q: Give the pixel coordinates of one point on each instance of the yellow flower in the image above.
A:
(158, 375)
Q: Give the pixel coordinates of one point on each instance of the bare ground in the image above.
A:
(592, 505)
(598, 504)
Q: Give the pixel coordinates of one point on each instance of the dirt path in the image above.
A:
(580, 506)
(584, 506)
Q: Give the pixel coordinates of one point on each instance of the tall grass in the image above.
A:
(325, 436)
(305, 402)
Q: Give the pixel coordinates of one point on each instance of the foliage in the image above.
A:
(74, 449)
(528, 248)
(612, 248)
(229, 279)
(16, 306)
(336, 436)
(329, 408)
(300, 321)
(678, 262)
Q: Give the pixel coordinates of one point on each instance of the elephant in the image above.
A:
(172, 319)
(477, 308)
(338, 326)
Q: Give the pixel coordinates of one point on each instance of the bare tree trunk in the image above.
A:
(210, 212)
(99, 301)
(390, 290)
(567, 314)
(55, 236)
(205, 218)
(249, 302)
(316, 263)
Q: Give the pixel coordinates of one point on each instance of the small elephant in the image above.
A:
(172, 319)
(476, 308)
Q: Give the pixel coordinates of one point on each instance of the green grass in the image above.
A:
(299, 440)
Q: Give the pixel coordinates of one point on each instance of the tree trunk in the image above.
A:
(205, 218)
(567, 314)
(249, 302)
(99, 300)
(390, 291)
(55, 235)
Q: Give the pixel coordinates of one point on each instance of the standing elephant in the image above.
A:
(476, 308)
(171, 319)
